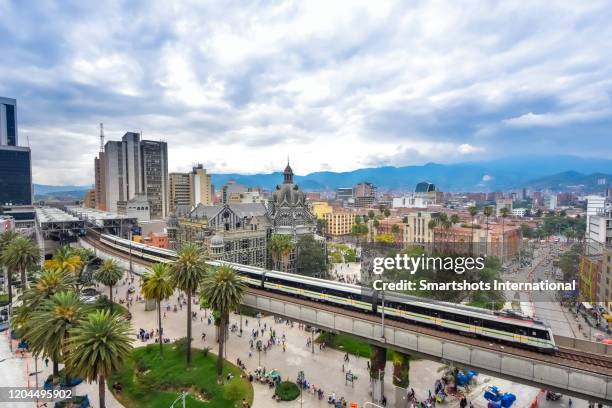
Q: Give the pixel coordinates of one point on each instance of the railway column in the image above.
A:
(378, 360)
(401, 378)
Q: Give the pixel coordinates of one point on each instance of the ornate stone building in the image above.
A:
(290, 215)
(229, 232)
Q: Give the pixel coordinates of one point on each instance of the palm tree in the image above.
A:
(48, 331)
(65, 258)
(504, 213)
(187, 272)
(281, 246)
(223, 290)
(488, 212)
(87, 256)
(473, 210)
(454, 219)
(431, 225)
(108, 274)
(5, 239)
(98, 347)
(21, 255)
(157, 285)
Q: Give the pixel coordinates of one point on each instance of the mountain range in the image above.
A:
(532, 172)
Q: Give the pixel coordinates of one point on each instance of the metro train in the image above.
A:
(467, 320)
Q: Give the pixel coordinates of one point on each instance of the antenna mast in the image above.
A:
(101, 137)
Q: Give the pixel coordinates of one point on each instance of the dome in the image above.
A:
(216, 240)
(289, 194)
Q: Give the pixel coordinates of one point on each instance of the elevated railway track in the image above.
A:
(572, 371)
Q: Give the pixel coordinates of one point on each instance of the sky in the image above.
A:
(334, 85)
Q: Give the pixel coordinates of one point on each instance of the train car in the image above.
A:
(251, 275)
(320, 290)
(468, 320)
(139, 250)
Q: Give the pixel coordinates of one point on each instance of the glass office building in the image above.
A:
(8, 121)
(15, 175)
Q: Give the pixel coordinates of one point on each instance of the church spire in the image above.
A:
(288, 174)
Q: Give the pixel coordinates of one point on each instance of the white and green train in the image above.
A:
(461, 319)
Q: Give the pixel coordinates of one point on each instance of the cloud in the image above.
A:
(487, 177)
(242, 85)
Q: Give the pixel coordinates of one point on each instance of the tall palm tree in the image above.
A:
(223, 290)
(65, 258)
(504, 213)
(473, 210)
(108, 274)
(5, 239)
(157, 285)
(454, 219)
(431, 225)
(21, 255)
(488, 212)
(187, 272)
(98, 347)
(281, 246)
(48, 331)
(86, 256)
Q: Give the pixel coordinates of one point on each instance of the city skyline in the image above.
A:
(239, 89)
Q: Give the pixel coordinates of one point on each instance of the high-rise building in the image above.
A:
(131, 147)
(15, 161)
(8, 122)
(180, 190)
(130, 167)
(114, 175)
(155, 176)
(596, 205)
(100, 181)
(201, 183)
(89, 199)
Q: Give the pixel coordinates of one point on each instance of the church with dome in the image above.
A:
(240, 232)
(288, 210)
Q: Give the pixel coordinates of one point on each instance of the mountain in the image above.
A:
(530, 171)
(492, 175)
(571, 180)
(43, 189)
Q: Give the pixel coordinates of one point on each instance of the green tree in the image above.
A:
(223, 289)
(488, 212)
(401, 369)
(5, 239)
(48, 284)
(280, 247)
(108, 274)
(65, 258)
(21, 255)
(187, 272)
(431, 225)
(98, 348)
(49, 330)
(371, 214)
(527, 231)
(157, 285)
(310, 257)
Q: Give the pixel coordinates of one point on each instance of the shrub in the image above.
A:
(287, 391)
(234, 390)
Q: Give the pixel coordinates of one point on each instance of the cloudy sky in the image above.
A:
(335, 85)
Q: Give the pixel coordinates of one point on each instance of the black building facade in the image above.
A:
(15, 175)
